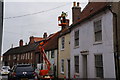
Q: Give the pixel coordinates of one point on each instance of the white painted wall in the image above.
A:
(86, 42)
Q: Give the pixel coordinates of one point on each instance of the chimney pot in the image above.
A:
(21, 43)
(74, 4)
(45, 35)
(31, 39)
(78, 4)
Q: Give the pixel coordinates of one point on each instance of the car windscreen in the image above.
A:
(24, 69)
(5, 67)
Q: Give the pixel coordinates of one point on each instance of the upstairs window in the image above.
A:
(98, 31)
(14, 57)
(9, 57)
(62, 43)
(18, 57)
(76, 38)
(52, 54)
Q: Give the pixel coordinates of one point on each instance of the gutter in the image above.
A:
(116, 52)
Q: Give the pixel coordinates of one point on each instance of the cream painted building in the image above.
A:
(64, 54)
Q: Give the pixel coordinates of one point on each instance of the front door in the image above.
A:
(68, 68)
(84, 66)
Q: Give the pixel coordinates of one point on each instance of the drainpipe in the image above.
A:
(57, 61)
(116, 53)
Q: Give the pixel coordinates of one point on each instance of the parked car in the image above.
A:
(22, 72)
(4, 70)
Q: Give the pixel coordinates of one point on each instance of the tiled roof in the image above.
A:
(91, 9)
(36, 39)
(64, 31)
(52, 43)
(22, 49)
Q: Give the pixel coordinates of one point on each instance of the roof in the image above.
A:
(90, 10)
(36, 39)
(52, 43)
(22, 49)
(64, 31)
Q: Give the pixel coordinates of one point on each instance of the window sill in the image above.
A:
(76, 47)
(77, 75)
(97, 43)
(62, 49)
(62, 73)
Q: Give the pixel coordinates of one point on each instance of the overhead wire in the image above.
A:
(29, 14)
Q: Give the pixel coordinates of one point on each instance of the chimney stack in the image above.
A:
(31, 40)
(45, 35)
(77, 4)
(74, 4)
(21, 43)
(76, 11)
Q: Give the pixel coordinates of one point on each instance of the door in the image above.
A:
(84, 66)
(68, 68)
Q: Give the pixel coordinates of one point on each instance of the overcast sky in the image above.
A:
(36, 18)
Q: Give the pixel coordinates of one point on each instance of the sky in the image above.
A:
(32, 18)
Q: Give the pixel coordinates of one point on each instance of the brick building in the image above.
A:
(24, 54)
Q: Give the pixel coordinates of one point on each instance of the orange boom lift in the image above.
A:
(47, 62)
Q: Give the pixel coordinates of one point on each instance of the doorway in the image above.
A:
(84, 66)
(69, 69)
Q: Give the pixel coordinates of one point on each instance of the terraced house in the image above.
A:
(24, 54)
(95, 41)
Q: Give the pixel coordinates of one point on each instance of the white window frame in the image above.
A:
(76, 64)
(99, 66)
(96, 30)
(31, 55)
(18, 57)
(76, 38)
(62, 66)
(9, 57)
(14, 57)
(52, 54)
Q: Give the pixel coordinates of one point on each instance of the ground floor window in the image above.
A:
(76, 59)
(62, 66)
(99, 66)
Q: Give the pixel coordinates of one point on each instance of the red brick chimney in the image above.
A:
(21, 43)
(76, 11)
(31, 40)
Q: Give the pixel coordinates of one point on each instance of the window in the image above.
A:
(62, 66)
(99, 66)
(62, 42)
(31, 55)
(98, 30)
(28, 55)
(76, 39)
(18, 57)
(76, 64)
(21, 56)
(14, 57)
(52, 54)
(9, 57)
